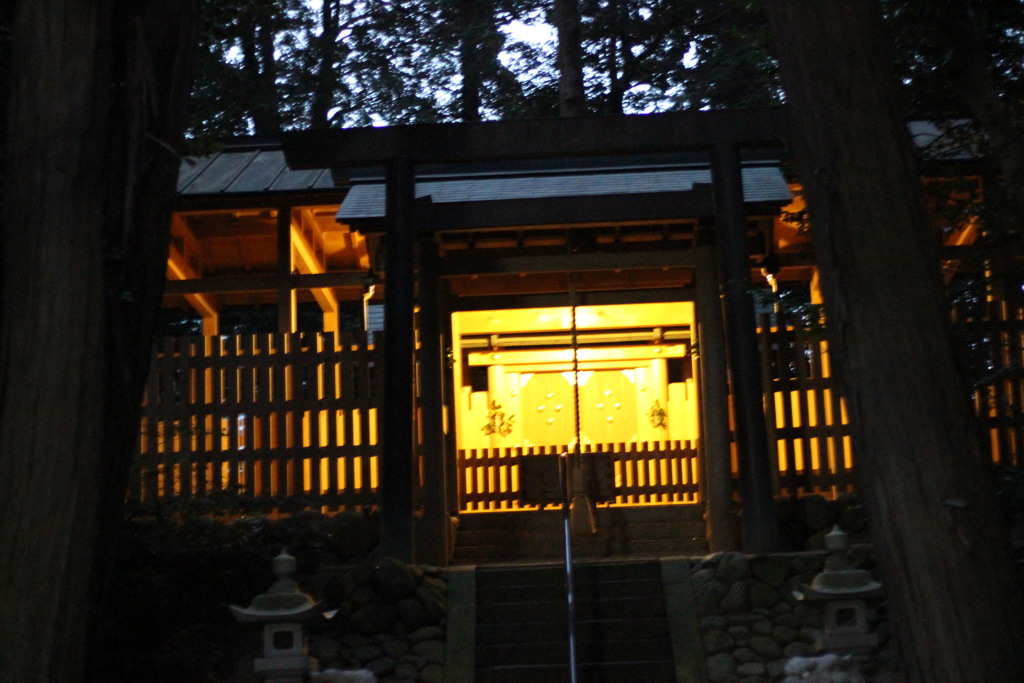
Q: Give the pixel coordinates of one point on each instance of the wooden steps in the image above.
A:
(623, 532)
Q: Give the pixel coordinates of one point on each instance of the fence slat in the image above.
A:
(259, 414)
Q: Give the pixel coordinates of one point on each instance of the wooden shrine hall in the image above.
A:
(496, 226)
(413, 320)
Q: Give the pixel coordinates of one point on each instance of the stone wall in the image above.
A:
(752, 625)
(390, 620)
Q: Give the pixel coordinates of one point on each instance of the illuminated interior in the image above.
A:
(515, 378)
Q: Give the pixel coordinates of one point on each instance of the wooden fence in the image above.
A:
(808, 427)
(991, 340)
(490, 479)
(277, 416)
(266, 416)
(805, 414)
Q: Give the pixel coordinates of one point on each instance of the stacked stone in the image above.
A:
(390, 621)
(750, 621)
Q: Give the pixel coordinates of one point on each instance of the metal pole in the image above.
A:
(570, 587)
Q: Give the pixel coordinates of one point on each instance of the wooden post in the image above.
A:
(286, 319)
(758, 514)
(396, 513)
(714, 408)
(432, 545)
(450, 397)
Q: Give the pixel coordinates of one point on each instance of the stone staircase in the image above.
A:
(634, 622)
(622, 532)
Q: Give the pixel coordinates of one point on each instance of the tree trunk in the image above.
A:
(96, 112)
(326, 74)
(942, 548)
(258, 64)
(472, 15)
(572, 100)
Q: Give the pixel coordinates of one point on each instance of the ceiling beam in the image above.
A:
(307, 259)
(536, 138)
(479, 262)
(179, 267)
(266, 282)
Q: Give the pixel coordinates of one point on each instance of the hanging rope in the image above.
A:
(575, 369)
(566, 470)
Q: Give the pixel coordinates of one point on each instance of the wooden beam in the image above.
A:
(398, 448)
(479, 262)
(179, 267)
(287, 320)
(652, 206)
(266, 282)
(713, 385)
(589, 282)
(489, 301)
(758, 524)
(538, 138)
(309, 262)
(432, 545)
(564, 211)
(589, 317)
(563, 358)
(218, 203)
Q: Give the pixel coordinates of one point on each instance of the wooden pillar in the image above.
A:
(286, 316)
(451, 395)
(758, 514)
(714, 408)
(432, 543)
(396, 485)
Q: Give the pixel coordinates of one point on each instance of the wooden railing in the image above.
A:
(266, 416)
(805, 413)
(490, 479)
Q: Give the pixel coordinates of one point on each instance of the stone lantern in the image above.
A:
(843, 589)
(281, 610)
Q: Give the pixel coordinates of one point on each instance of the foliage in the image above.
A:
(265, 65)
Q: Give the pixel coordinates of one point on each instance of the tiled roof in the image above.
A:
(257, 166)
(247, 167)
(760, 184)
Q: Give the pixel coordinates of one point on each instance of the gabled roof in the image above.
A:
(562, 191)
(247, 166)
(760, 184)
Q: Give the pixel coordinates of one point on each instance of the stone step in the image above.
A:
(534, 574)
(494, 550)
(605, 516)
(555, 590)
(658, 671)
(605, 651)
(622, 629)
(554, 629)
(615, 608)
(622, 532)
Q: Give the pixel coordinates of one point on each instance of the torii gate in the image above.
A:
(721, 135)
